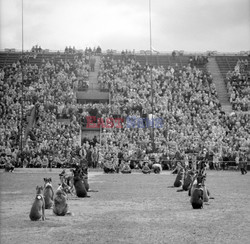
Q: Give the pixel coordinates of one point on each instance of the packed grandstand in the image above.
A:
(48, 100)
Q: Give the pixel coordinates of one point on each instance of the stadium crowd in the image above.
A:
(194, 125)
(49, 90)
(238, 86)
(185, 98)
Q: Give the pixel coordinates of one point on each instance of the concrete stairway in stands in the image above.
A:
(218, 80)
(31, 120)
(93, 93)
(93, 83)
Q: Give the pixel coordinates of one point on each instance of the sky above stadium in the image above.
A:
(190, 25)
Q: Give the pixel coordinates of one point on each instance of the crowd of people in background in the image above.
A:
(48, 89)
(184, 98)
(198, 60)
(238, 86)
(36, 49)
(88, 50)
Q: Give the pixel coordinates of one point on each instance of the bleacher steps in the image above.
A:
(218, 80)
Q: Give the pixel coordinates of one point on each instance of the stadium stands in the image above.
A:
(184, 96)
(236, 73)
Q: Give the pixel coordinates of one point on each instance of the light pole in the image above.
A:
(22, 67)
(151, 78)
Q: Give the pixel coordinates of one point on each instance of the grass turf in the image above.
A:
(131, 208)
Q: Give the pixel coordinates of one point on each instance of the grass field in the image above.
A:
(132, 208)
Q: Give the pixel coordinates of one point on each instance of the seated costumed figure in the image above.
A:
(126, 169)
(146, 169)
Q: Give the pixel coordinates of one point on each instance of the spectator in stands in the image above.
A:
(92, 62)
(246, 65)
(173, 54)
(98, 50)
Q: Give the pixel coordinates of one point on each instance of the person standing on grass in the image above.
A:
(237, 160)
(94, 156)
(245, 164)
(242, 165)
(216, 161)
